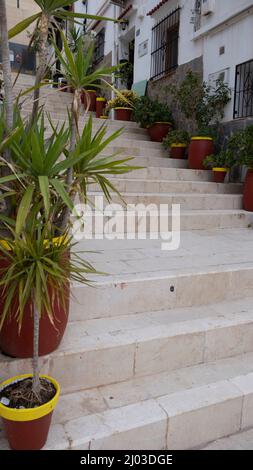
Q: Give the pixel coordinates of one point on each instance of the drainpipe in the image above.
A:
(115, 50)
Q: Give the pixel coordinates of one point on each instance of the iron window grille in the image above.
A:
(99, 46)
(243, 103)
(165, 37)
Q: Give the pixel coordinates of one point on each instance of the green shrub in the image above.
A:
(176, 137)
(148, 111)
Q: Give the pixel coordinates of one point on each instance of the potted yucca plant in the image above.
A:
(40, 179)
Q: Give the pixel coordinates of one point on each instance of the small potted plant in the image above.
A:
(124, 104)
(220, 164)
(177, 141)
(155, 117)
(100, 106)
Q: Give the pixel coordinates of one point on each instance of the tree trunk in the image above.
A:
(41, 70)
(8, 97)
(4, 43)
(62, 223)
(36, 334)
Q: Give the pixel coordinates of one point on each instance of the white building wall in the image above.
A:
(230, 25)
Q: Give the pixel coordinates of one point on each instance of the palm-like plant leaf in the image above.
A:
(53, 8)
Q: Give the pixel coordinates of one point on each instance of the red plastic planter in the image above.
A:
(178, 151)
(219, 174)
(159, 130)
(19, 344)
(248, 192)
(123, 114)
(27, 429)
(200, 148)
(29, 435)
(89, 100)
(100, 107)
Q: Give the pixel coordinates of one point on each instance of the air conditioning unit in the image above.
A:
(221, 75)
(119, 3)
(208, 7)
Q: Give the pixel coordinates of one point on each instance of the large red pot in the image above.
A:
(177, 151)
(100, 107)
(123, 114)
(200, 148)
(27, 429)
(248, 192)
(89, 100)
(19, 344)
(159, 130)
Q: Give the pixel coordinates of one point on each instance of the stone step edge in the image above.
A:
(179, 421)
(166, 194)
(204, 335)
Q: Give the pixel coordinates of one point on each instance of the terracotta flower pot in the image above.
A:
(159, 130)
(19, 344)
(200, 148)
(27, 429)
(219, 174)
(248, 192)
(90, 100)
(100, 107)
(123, 114)
(178, 151)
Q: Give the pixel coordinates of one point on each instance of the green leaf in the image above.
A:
(44, 187)
(23, 25)
(59, 187)
(24, 209)
(70, 14)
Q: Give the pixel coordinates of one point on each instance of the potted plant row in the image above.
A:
(123, 104)
(40, 179)
(155, 117)
(203, 106)
(177, 142)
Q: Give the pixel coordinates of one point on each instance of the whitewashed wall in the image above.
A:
(230, 25)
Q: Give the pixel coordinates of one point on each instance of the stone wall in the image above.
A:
(159, 89)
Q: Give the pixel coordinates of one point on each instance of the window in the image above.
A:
(18, 3)
(243, 104)
(165, 35)
(99, 46)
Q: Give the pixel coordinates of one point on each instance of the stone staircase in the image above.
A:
(159, 355)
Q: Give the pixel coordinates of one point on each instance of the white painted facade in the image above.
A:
(228, 26)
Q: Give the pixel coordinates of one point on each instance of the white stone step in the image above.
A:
(183, 409)
(187, 201)
(133, 185)
(136, 221)
(239, 441)
(95, 353)
(141, 276)
(165, 171)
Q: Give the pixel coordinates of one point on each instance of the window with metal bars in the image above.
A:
(243, 104)
(165, 37)
(99, 46)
